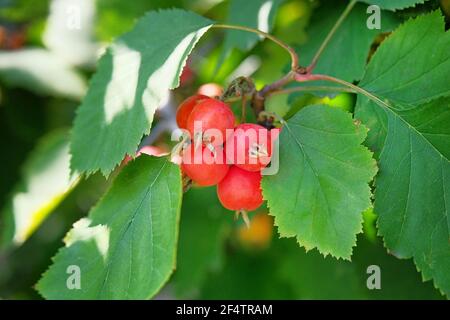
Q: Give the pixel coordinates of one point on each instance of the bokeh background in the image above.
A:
(44, 72)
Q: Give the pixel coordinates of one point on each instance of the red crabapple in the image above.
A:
(250, 147)
(211, 120)
(203, 166)
(240, 190)
(185, 109)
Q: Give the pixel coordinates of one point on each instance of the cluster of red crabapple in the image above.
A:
(233, 161)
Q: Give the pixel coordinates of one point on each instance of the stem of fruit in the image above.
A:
(292, 53)
(187, 183)
(244, 216)
(330, 35)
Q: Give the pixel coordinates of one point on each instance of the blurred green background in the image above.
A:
(44, 73)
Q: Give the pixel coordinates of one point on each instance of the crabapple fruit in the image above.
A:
(185, 109)
(250, 147)
(204, 166)
(240, 190)
(212, 120)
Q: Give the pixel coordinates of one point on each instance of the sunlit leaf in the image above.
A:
(46, 180)
(133, 77)
(126, 248)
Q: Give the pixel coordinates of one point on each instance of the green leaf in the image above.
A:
(45, 182)
(115, 17)
(413, 186)
(346, 55)
(321, 188)
(416, 56)
(394, 4)
(257, 14)
(203, 231)
(126, 248)
(133, 77)
(410, 137)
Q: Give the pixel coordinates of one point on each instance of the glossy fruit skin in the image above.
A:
(240, 144)
(185, 109)
(203, 167)
(240, 190)
(212, 114)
